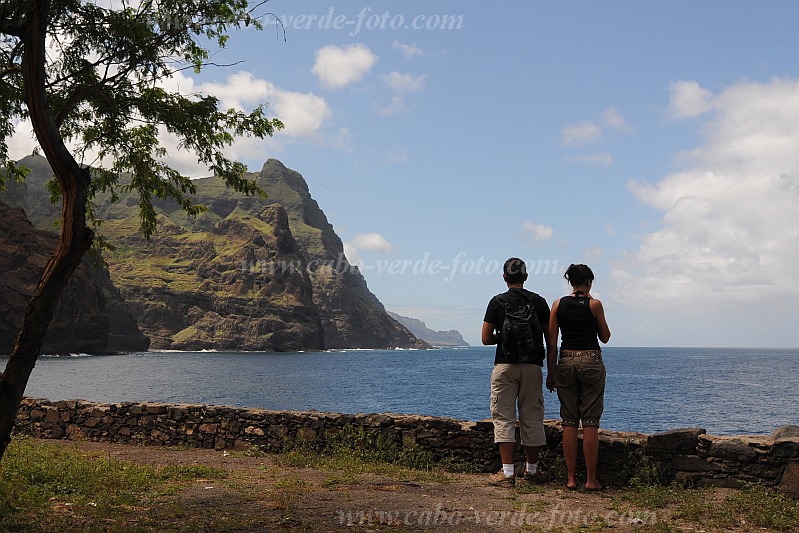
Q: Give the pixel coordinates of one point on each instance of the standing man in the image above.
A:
(515, 322)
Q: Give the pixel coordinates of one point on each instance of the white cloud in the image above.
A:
(118, 4)
(398, 155)
(612, 119)
(303, 114)
(593, 254)
(589, 131)
(537, 233)
(408, 50)
(400, 84)
(603, 159)
(404, 82)
(370, 242)
(339, 66)
(22, 142)
(342, 140)
(581, 133)
(688, 100)
(728, 232)
(396, 105)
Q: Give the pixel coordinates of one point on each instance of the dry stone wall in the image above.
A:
(689, 456)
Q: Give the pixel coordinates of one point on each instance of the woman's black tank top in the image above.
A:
(578, 328)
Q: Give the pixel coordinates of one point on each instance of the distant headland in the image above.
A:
(434, 338)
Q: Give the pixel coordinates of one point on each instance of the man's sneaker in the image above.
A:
(501, 480)
(534, 477)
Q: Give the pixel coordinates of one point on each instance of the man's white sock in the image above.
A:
(532, 468)
(509, 470)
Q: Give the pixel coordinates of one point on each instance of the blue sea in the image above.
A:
(726, 391)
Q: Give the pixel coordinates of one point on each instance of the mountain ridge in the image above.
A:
(198, 283)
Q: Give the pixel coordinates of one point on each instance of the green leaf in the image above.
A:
(106, 70)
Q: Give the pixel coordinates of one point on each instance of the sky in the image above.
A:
(657, 142)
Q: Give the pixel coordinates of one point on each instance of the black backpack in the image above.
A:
(521, 333)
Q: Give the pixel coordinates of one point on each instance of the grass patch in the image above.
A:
(287, 492)
(357, 450)
(47, 487)
(751, 508)
(754, 508)
(58, 487)
(655, 497)
(340, 461)
(336, 480)
(764, 509)
(646, 472)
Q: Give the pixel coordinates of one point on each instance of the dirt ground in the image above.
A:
(261, 495)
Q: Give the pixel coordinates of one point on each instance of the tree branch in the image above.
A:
(79, 95)
(13, 69)
(12, 23)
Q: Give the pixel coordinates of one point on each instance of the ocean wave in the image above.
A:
(57, 355)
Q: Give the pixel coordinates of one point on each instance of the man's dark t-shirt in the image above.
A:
(495, 314)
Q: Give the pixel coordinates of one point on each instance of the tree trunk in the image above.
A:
(76, 237)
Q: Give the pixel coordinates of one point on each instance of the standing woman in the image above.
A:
(580, 373)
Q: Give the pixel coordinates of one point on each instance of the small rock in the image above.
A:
(790, 480)
(785, 431)
(677, 441)
(733, 449)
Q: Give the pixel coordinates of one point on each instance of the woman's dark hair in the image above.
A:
(578, 275)
(515, 271)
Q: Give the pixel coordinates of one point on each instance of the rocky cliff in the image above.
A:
(451, 337)
(91, 316)
(248, 274)
(351, 315)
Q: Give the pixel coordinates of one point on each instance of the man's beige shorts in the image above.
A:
(521, 384)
